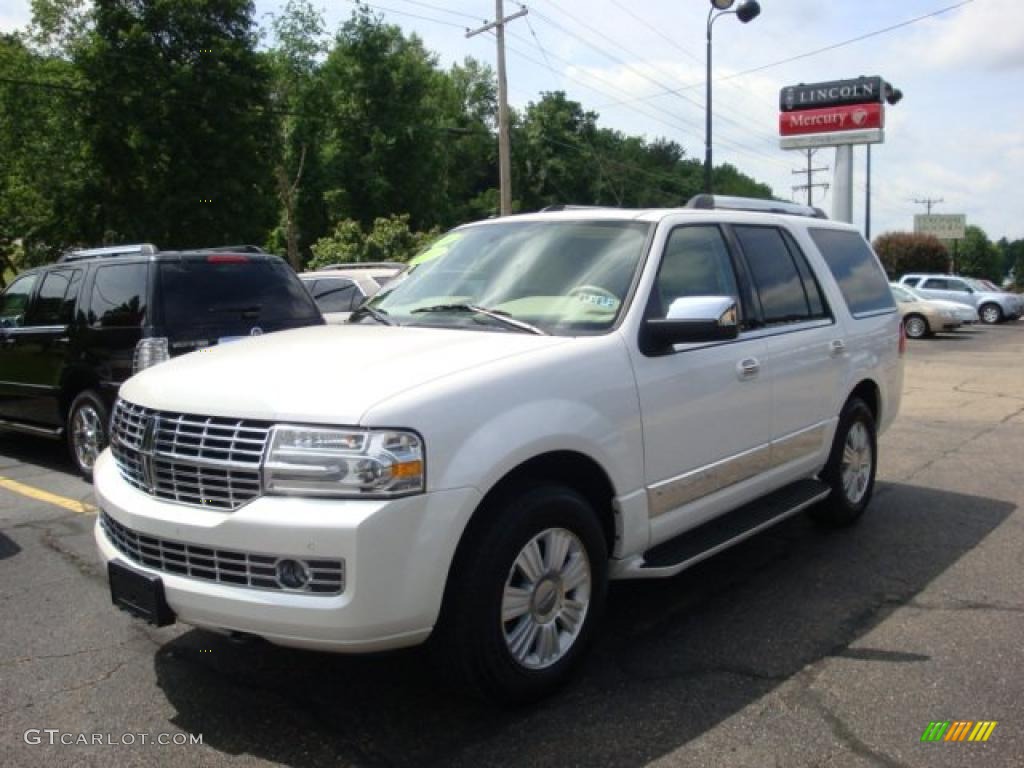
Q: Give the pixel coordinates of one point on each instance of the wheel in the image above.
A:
(916, 327)
(850, 470)
(990, 314)
(523, 603)
(88, 421)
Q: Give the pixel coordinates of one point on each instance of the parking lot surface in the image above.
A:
(797, 648)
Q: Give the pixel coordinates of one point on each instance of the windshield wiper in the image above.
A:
(502, 317)
(377, 314)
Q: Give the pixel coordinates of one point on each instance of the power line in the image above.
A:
(928, 202)
(384, 9)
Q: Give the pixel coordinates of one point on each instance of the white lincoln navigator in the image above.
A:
(541, 403)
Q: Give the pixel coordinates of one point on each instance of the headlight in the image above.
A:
(354, 463)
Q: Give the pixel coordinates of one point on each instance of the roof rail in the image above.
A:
(727, 203)
(110, 251)
(363, 265)
(567, 207)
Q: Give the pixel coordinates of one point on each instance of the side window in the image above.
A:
(857, 271)
(119, 296)
(335, 295)
(55, 303)
(958, 285)
(696, 263)
(911, 281)
(776, 279)
(815, 298)
(15, 300)
(936, 284)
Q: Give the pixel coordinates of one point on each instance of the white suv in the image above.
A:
(548, 402)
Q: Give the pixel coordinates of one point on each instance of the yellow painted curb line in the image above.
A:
(47, 497)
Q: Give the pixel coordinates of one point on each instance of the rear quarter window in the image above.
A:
(855, 267)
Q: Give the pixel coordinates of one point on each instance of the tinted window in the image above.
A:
(775, 275)
(957, 285)
(936, 284)
(199, 293)
(911, 281)
(14, 302)
(696, 263)
(119, 296)
(55, 302)
(856, 269)
(336, 295)
(814, 296)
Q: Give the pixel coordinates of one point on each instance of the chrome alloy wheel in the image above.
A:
(87, 436)
(990, 314)
(855, 469)
(546, 597)
(916, 327)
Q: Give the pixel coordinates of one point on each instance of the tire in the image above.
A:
(852, 485)
(990, 314)
(87, 431)
(552, 612)
(916, 326)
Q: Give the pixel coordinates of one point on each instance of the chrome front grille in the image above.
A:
(205, 461)
(242, 569)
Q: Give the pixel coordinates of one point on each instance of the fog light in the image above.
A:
(292, 574)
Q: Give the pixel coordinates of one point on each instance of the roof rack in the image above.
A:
(234, 249)
(110, 251)
(363, 265)
(727, 203)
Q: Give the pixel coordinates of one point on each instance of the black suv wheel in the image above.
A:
(87, 428)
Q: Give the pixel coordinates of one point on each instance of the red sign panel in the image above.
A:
(853, 117)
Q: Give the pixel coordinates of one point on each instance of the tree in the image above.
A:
(902, 252)
(181, 124)
(390, 239)
(977, 256)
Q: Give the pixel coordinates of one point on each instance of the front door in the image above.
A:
(706, 408)
(14, 303)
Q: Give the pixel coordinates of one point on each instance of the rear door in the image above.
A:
(804, 346)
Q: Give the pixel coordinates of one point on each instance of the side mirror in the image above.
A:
(691, 320)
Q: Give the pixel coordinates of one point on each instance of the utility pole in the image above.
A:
(810, 171)
(504, 149)
(928, 202)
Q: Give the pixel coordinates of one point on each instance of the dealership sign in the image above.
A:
(833, 139)
(863, 90)
(945, 226)
(844, 118)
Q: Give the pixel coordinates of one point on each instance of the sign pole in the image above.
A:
(842, 188)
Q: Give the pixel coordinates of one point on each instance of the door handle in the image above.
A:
(836, 347)
(748, 368)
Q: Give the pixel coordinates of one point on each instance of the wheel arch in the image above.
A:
(868, 391)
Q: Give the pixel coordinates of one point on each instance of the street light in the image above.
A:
(747, 11)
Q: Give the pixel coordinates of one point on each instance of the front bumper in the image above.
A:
(396, 554)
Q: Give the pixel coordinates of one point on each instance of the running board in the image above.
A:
(693, 546)
(31, 429)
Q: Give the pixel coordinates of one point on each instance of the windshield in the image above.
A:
(561, 277)
(906, 295)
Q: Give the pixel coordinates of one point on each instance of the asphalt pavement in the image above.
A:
(797, 648)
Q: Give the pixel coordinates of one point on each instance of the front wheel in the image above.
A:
(850, 471)
(88, 420)
(990, 314)
(523, 604)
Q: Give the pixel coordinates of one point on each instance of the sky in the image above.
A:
(957, 135)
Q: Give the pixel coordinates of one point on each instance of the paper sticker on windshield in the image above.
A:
(598, 300)
(439, 248)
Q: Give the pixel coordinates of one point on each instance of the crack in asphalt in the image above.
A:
(40, 657)
(965, 605)
(69, 689)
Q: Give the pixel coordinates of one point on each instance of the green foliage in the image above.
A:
(390, 239)
(977, 256)
(1013, 261)
(902, 252)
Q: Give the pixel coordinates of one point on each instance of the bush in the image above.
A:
(902, 252)
(389, 240)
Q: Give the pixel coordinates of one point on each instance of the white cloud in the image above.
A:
(987, 34)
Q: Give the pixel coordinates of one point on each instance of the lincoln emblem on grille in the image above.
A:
(147, 450)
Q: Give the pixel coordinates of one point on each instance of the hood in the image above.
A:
(323, 374)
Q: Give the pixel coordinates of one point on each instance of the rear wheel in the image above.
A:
(88, 420)
(850, 471)
(990, 314)
(523, 603)
(916, 327)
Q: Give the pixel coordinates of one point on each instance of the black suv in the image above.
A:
(72, 332)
